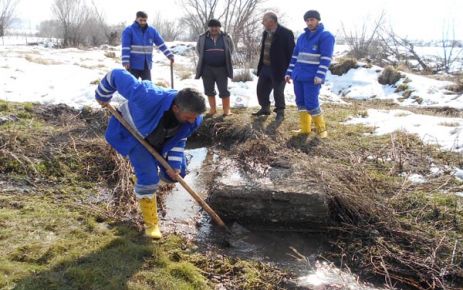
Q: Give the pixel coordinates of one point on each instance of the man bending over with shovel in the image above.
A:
(163, 117)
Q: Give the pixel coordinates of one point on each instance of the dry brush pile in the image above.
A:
(385, 227)
(46, 146)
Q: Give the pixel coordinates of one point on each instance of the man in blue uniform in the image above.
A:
(165, 118)
(309, 66)
(137, 47)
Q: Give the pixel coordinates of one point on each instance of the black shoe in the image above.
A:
(280, 116)
(262, 112)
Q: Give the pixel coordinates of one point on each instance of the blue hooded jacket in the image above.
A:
(312, 55)
(137, 46)
(144, 108)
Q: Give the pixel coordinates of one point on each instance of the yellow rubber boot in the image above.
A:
(149, 210)
(321, 126)
(305, 122)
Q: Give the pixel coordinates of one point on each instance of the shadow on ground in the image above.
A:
(108, 268)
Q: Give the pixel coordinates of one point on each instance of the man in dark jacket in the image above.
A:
(276, 50)
(215, 49)
(137, 47)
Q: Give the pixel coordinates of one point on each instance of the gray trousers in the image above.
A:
(212, 76)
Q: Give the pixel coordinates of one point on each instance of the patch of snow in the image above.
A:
(327, 276)
(416, 178)
(179, 48)
(362, 84)
(442, 131)
(458, 174)
(435, 171)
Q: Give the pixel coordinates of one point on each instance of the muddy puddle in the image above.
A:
(182, 215)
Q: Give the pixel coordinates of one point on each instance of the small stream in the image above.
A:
(182, 215)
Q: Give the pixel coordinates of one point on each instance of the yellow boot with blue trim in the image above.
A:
(305, 122)
(320, 125)
(149, 210)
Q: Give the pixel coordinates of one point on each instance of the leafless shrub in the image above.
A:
(450, 50)
(364, 41)
(342, 66)
(400, 48)
(237, 16)
(49, 29)
(457, 87)
(110, 54)
(389, 76)
(7, 9)
(234, 14)
(170, 30)
(79, 23)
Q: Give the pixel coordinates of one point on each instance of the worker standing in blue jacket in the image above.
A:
(165, 118)
(308, 68)
(137, 47)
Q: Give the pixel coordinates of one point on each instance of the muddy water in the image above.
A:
(182, 215)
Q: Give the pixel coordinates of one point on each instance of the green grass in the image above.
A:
(48, 242)
(54, 234)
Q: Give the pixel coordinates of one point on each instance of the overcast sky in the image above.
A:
(416, 19)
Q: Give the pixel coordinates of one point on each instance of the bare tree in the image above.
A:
(7, 8)
(449, 48)
(197, 13)
(401, 48)
(99, 30)
(82, 24)
(235, 15)
(239, 17)
(170, 30)
(363, 41)
(72, 15)
(49, 29)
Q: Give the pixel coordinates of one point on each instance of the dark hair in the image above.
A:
(190, 100)
(142, 14)
(272, 15)
(312, 14)
(214, 23)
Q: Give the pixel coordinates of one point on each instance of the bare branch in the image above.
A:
(7, 9)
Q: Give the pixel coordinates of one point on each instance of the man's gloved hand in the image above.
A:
(103, 104)
(317, 81)
(174, 174)
(127, 66)
(171, 59)
(288, 79)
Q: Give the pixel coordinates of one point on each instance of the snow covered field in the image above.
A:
(362, 84)
(443, 131)
(47, 75)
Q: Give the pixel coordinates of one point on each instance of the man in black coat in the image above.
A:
(276, 50)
